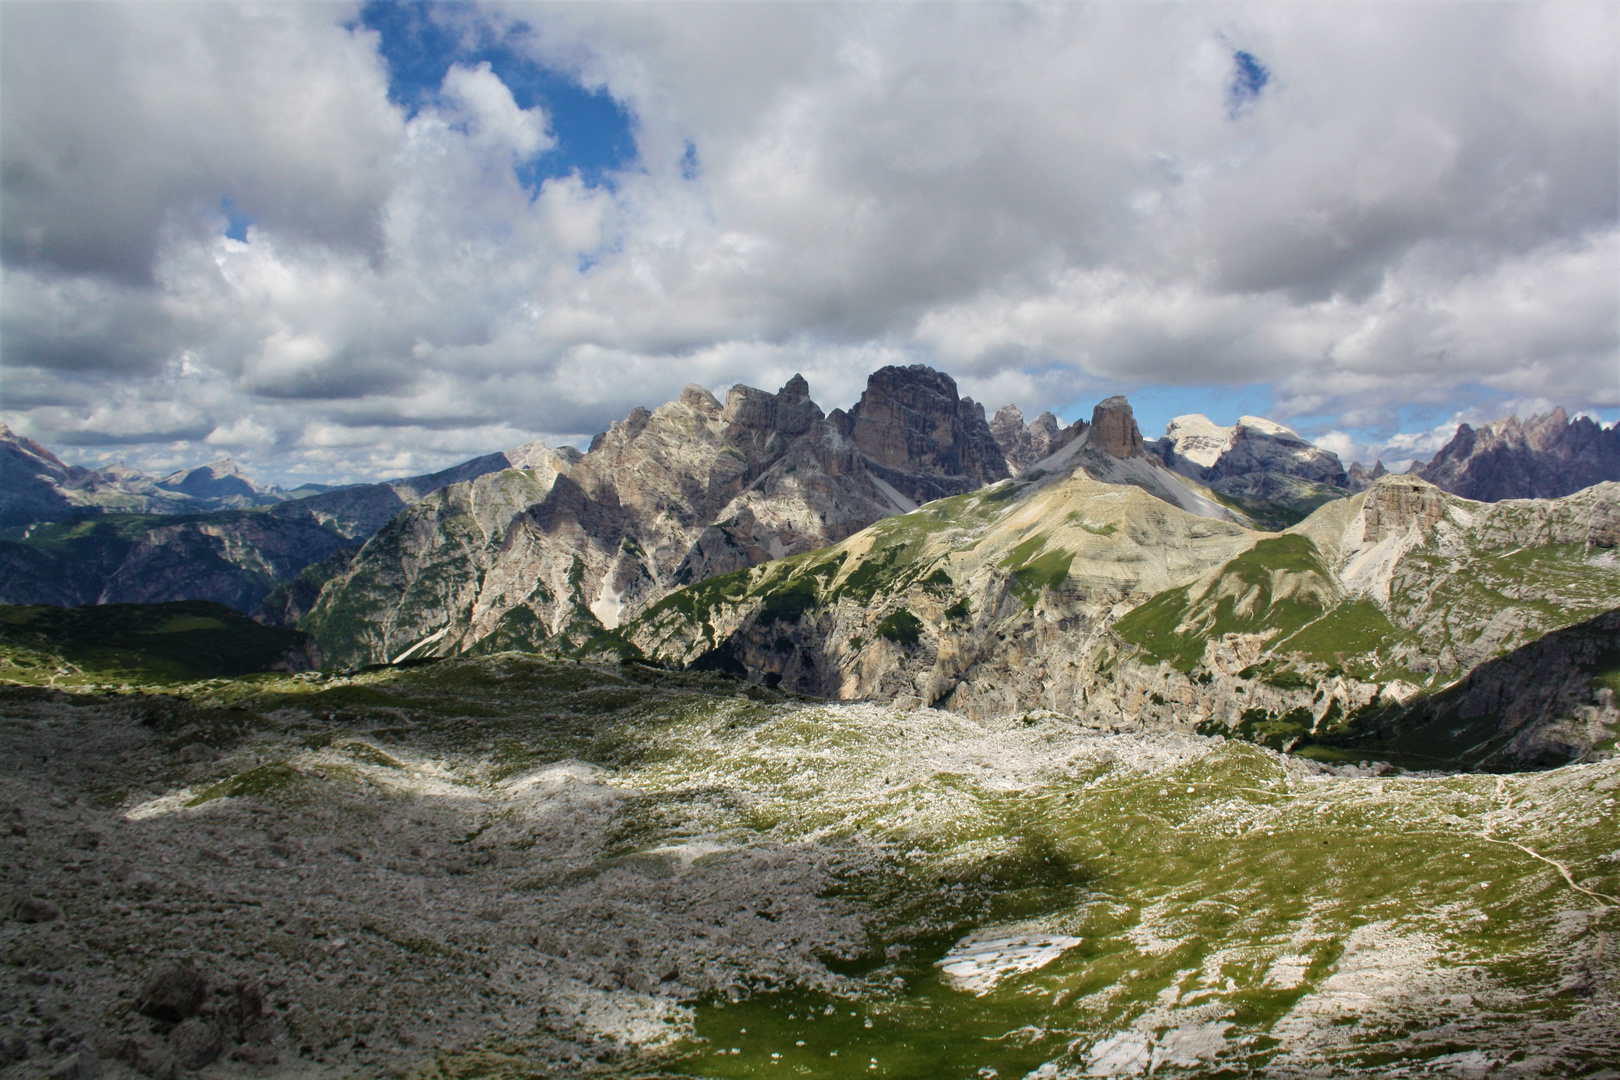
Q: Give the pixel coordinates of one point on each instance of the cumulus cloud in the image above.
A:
(1385, 214)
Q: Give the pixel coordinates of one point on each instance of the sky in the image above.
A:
(346, 242)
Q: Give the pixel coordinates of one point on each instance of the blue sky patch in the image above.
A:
(421, 40)
(1249, 77)
(236, 222)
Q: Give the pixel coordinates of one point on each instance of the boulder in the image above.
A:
(196, 1043)
(30, 909)
(174, 992)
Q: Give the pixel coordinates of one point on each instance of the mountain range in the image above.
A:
(82, 536)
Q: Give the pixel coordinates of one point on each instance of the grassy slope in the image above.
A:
(1442, 599)
(1065, 536)
(136, 643)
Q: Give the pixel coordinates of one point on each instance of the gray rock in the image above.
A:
(148, 1058)
(174, 992)
(197, 1042)
(80, 1066)
(30, 909)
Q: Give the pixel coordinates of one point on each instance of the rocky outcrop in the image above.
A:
(1398, 505)
(1114, 431)
(1023, 444)
(920, 436)
(1546, 457)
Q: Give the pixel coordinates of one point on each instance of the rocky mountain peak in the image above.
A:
(1114, 430)
(794, 388)
(1546, 457)
(788, 412)
(1023, 444)
(118, 470)
(699, 399)
(912, 421)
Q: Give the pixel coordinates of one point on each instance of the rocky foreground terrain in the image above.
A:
(507, 866)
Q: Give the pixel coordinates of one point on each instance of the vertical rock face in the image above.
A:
(1023, 445)
(1398, 504)
(918, 432)
(1113, 429)
(1546, 457)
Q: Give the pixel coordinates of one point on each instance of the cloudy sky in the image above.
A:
(345, 242)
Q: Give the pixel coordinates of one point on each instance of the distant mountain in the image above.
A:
(1545, 457)
(221, 484)
(666, 497)
(1262, 467)
(1362, 477)
(1023, 444)
(35, 485)
(114, 536)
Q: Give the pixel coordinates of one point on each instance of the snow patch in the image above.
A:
(978, 962)
(424, 643)
(608, 606)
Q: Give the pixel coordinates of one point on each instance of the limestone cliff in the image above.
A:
(920, 436)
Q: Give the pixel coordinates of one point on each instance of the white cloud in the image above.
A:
(1418, 211)
(494, 116)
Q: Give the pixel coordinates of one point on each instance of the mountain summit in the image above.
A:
(920, 436)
